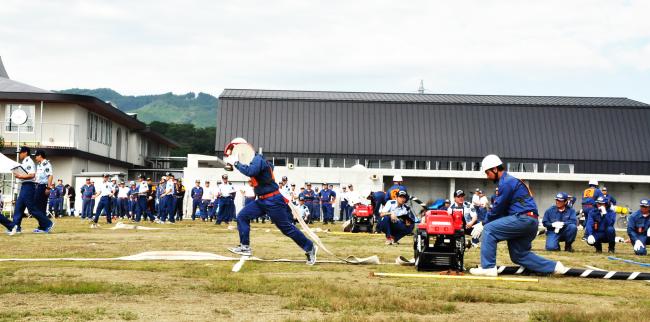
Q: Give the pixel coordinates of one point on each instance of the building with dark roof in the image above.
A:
(594, 135)
(80, 134)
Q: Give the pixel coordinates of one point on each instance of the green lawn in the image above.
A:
(208, 291)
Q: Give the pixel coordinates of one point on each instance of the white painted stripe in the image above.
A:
(633, 275)
(520, 270)
(586, 273)
(609, 275)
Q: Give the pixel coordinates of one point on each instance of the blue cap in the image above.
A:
(644, 203)
(601, 199)
(561, 196)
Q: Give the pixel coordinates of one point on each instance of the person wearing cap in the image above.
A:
(196, 194)
(612, 200)
(476, 198)
(207, 201)
(105, 191)
(470, 217)
(167, 210)
(53, 201)
(44, 180)
(69, 195)
(113, 198)
(638, 228)
(180, 196)
(159, 190)
(445, 204)
(269, 201)
(133, 199)
(561, 224)
(225, 201)
(327, 198)
(293, 194)
(87, 196)
(285, 188)
(599, 227)
(144, 195)
(397, 219)
(513, 218)
(309, 195)
(26, 197)
(303, 210)
(122, 200)
(397, 186)
(59, 204)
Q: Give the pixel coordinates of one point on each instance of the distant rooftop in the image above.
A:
(8, 85)
(429, 98)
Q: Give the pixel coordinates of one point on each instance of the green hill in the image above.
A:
(197, 109)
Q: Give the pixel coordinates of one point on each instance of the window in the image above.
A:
(144, 145)
(280, 162)
(28, 126)
(558, 168)
(474, 166)
(457, 165)
(309, 162)
(100, 129)
(419, 165)
(380, 164)
(522, 167)
(343, 163)
(442, 165)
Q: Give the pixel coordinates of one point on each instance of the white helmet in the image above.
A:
(593, 182)
(397, 178)
(490, 161)
(228, 149)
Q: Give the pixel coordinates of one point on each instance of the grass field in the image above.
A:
(208, 291)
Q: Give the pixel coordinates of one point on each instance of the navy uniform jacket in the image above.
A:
(513, 198)
(637, 226)
(87, 191)
(261, 174)
(391, 193)
(568, 216)
(590, 195)
(197, 193)
(55, 194)
(603, 221)
(309, 195)
(326, 196)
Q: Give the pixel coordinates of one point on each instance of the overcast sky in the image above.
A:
(574, 48)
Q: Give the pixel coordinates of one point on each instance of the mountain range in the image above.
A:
(191, 108)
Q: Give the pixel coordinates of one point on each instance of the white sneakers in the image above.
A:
(94, 226)
(491, 272)
(560, 269)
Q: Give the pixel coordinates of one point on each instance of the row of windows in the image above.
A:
(100, 129)
(417, 164)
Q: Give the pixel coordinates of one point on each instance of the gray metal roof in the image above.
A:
(380, 128)
(12, 86)
(3, 71)
(428, 98)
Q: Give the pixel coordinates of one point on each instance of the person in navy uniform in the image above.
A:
(105, 192)
(53, 201)
(561, 224)
(309, 195)
(612, 200)
(269, 201)
(133, 199)
(600, 226)
(397, 219)
(638, 228)
(180, 196)
(377, 200)
(225, 201)
(327, 198)
(59, 204)
(87, 196)
(145, 194)
(26, 196)
(391, 193)
(513, 218)
(343, 206)
(196, 194)
(44, 180)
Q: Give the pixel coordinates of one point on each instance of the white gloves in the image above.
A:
(603, 210)
(591, 240)
(638, 245)
(477, 230)
(557, 225)
(648, 233)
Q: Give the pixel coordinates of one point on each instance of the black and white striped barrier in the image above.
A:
(584, 273)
